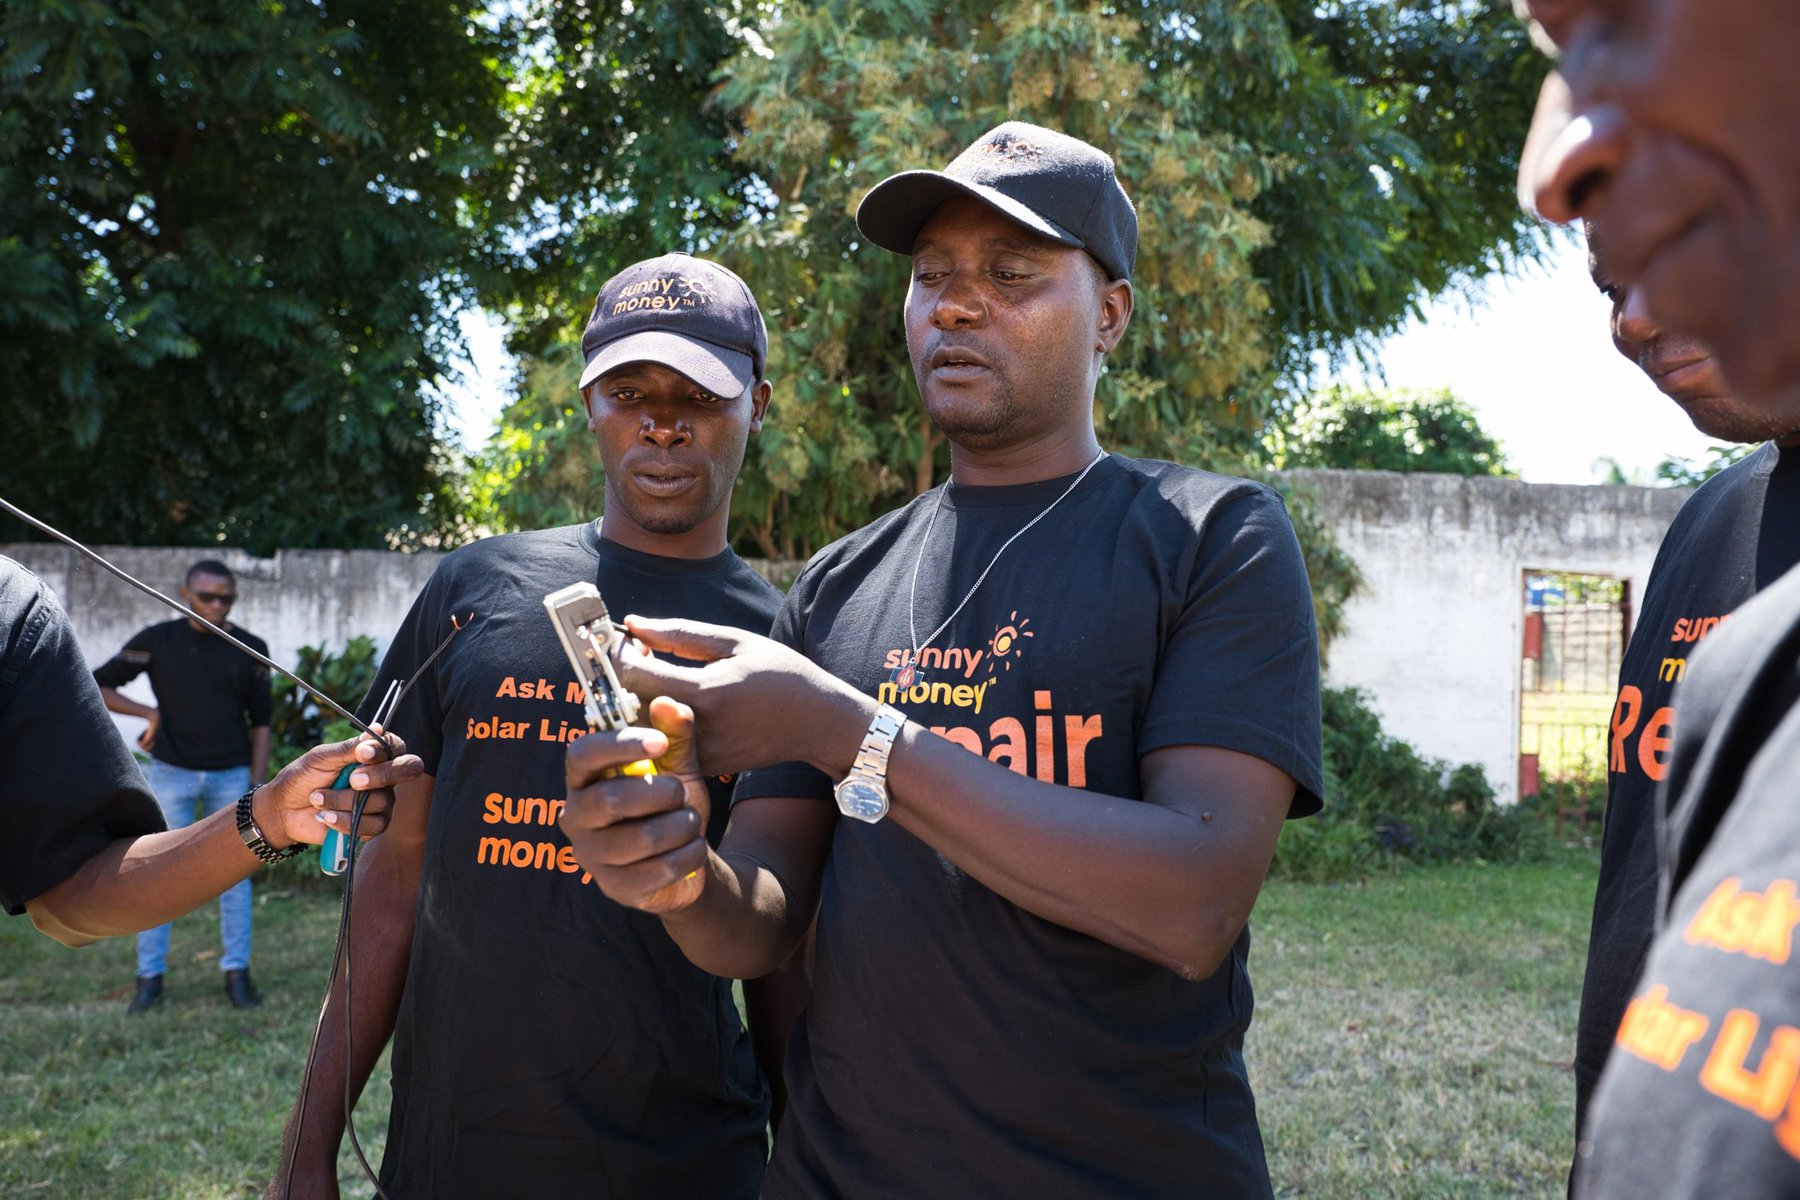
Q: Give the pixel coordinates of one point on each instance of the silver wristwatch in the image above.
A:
(863, 794)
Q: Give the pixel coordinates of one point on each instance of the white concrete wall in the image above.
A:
(1435, 637)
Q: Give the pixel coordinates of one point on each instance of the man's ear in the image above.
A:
(1115, 314)
(759, 403)
(587, 402)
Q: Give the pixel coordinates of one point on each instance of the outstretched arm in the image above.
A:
(135, 883)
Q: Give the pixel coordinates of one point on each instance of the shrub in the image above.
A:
(1387, 804)
(300, 722)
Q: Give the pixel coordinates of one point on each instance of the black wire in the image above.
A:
(349, 1008)
(342, 952)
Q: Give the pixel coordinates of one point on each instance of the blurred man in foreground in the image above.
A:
(1736, 535)
(1670, 125)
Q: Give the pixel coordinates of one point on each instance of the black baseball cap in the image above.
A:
(1053, 184)
(688, 314)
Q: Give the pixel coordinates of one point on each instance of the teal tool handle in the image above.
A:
(334, 855)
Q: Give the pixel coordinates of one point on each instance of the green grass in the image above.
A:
(1412, 1039)
(1413, 1034)
(185, 1102)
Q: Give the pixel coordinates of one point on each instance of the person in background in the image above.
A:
(208, 741)
(1737, 534)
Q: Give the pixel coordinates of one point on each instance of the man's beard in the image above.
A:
(1731, 422)
(980, 427)
(663, 519)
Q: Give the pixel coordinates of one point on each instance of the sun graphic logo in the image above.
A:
(1009, 145)
(695, 291)
(1008, 641)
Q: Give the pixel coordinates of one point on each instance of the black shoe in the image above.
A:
(149, 995)
(239, 990)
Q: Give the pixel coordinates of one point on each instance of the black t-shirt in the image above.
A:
(1699, 1098)
(956, 1045)
(1736, 535)
(210, 693)
(550, 1042)
(71, 788)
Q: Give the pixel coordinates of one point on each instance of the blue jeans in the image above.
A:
(179, 791)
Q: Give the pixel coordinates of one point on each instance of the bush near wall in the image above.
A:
(300, 722)
(1388, 805)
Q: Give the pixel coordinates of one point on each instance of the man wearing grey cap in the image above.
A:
(1024, 744)
(547, 1041)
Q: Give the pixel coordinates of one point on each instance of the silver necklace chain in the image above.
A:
(913, 593)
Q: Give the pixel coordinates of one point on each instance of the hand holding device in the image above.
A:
(285, 803)
(588, 637)
(334, 851)
(643, 839)
(759, 701)
(646, 844)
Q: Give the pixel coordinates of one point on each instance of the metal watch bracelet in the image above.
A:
(252, 834)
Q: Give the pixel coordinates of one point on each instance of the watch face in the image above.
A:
(862, 800)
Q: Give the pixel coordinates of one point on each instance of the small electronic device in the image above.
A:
(588, 636)
(334, 851)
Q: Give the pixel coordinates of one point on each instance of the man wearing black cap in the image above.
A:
(1029, 741)
(547, 1041)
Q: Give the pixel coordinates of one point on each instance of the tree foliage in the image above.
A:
(236, 235)
(1299, 180)
(1676, 471)
(230, 235)
(1399, 127)
(1305, 176)
(613, 152)
(1387, 431)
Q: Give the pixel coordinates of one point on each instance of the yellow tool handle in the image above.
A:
(643, 769)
